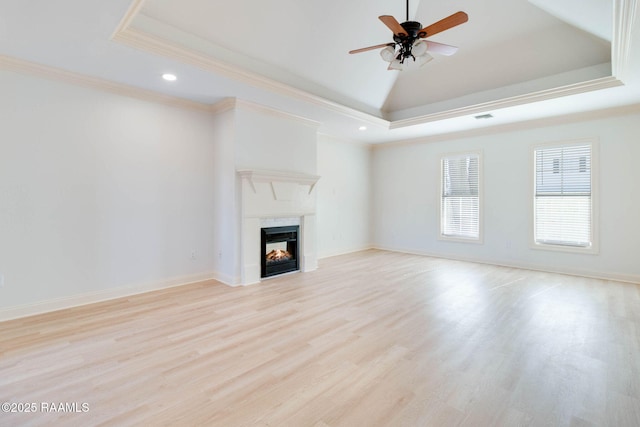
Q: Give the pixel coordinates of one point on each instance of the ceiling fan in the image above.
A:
(408, 43)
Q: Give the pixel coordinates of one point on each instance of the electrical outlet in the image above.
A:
(193, 254)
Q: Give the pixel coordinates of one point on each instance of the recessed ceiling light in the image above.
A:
(169, 77)
(362, 128)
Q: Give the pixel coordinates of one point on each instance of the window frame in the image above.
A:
(462, 239)
(594, 247)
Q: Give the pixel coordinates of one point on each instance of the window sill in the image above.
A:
(591, 250)
(460, 239)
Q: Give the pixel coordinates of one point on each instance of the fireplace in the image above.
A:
(279, 250)
(273, 199)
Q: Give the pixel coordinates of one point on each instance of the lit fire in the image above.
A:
(278, 255)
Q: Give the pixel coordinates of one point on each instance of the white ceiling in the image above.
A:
(518, 59)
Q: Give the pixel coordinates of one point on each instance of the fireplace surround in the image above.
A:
(276, 199)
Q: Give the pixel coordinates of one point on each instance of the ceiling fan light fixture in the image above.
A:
(419, 48)
(388, 53)
(396, 64)
(423, 59)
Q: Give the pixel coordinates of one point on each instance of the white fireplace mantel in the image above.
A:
(260, 175)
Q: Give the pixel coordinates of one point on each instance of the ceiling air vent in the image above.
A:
(484, 116)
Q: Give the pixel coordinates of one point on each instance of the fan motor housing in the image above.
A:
(413, 28)
(414, 31)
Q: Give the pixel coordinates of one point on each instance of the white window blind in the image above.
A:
(460, 200)
(562, 200)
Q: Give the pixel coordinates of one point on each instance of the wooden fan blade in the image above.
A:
(442, 49)
(364, 49)
(393, 25)
(444, 24)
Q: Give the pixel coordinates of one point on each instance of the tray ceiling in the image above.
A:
(506, 43)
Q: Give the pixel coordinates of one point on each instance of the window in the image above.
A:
(563, 198)
(460, 197)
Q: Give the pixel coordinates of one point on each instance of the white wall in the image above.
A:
(406, 183)
(272, 141)
(344, 196)
(99, 193)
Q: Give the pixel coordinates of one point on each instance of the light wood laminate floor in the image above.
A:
(370, 339)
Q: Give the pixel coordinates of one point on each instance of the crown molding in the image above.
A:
(233, 103)
(240, 103)
(514, 127)
(134, 9)
(624, 12)
(227, 104)
(543, 95)
(150, 43)
(52, 73)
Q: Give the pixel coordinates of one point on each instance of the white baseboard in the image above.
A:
(630, 278)
(226, 279)
(40, 307)
(56, 304)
